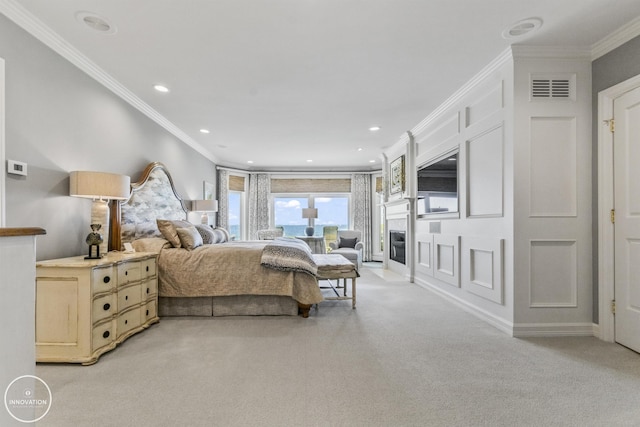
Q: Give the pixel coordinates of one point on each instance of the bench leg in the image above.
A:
(353, 292)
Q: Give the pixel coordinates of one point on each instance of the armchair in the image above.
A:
(330, 234)
(349, 245)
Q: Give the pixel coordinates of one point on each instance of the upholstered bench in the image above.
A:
(332, 266)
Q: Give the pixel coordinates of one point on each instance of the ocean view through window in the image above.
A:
(332, 210)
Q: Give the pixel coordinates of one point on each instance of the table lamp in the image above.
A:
(204, 206)
(100, 187)
(309, 213)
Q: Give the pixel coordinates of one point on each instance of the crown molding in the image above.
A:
(494, 65)
(552, 52)
(51, 39)
(616, 39)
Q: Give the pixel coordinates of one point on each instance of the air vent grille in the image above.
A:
(551, 88)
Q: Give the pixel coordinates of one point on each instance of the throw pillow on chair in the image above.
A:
(348, 243)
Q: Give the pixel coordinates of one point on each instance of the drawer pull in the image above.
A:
(106, 334)
(106, 307)
(147, 290)
(106, 279)
(147, 268)
(126, 321)
(126, 273)
(126, 297)
(147, 312)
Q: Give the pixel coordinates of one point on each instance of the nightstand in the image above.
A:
(85, 308)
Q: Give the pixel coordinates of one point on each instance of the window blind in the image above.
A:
(341, 185)
(236, 183)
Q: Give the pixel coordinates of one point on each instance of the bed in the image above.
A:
(223, 278)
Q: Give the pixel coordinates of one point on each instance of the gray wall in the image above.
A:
(58, 119)
(615, 67)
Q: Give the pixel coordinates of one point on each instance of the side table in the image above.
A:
(316, 243)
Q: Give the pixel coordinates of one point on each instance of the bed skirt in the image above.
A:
(240, 305)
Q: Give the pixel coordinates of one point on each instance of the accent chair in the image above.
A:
(350, 246)
(330, 234)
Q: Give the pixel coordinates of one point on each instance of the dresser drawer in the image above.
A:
(103, 279)
(149, 310)
(128, 320)
(149, 267)
(129, 296)
(150, 287)
(104, 306)
(129, 272)
(103, 334)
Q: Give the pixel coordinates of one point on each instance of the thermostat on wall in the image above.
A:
(16, 168)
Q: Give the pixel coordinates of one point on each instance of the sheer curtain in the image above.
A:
(361, 202)
(223, 199)
(259, 191)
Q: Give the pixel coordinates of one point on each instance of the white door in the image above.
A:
(627, 218)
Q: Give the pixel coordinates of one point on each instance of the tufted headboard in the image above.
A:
(152, 197)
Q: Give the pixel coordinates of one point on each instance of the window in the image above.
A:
(332, 210)
(288, 214)
(236, 214)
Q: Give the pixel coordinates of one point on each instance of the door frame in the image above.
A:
(606, 236)
(3, 173)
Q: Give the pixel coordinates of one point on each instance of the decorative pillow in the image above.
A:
(207, 234)
(168, 229)
(220, 237)
(227, 236)
(189, 237)
(348, 243)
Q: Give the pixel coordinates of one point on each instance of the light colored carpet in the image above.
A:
(404, 357)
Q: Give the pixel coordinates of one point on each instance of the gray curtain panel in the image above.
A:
(223, 199)
(361, 202)
(259, 191)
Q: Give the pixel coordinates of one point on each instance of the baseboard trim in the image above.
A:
(497, 322)
(523, 330)
(518, 330)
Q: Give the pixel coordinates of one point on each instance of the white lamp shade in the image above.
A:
(99, 185)
(204, 205)
(309, 213)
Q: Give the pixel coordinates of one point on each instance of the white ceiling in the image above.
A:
(280, 82)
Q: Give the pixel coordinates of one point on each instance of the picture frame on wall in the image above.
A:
(396, 180)
(208, 191)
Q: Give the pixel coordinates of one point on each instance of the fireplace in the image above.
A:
(397, 246)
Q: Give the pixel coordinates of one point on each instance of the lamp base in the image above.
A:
(309, 231)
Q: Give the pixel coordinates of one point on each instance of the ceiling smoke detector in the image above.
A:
(95, 22)
(520, 28)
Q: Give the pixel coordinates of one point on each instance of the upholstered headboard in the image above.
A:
(153, 196)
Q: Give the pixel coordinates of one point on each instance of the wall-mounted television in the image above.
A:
(438, 186)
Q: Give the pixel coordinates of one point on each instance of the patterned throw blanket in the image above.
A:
(289, 254)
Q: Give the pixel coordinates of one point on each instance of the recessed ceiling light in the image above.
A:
(161, 88)
(521, 28)
(360, 149)
(95, 22)
(309, 161)
(249, 161)
(204, 130)
(375, 128)
(372, 161)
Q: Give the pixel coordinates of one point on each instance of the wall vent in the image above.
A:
(558, 87)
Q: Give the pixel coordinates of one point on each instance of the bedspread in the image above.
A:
(232, 268)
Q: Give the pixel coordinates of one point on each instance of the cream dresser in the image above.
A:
(85, 308)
